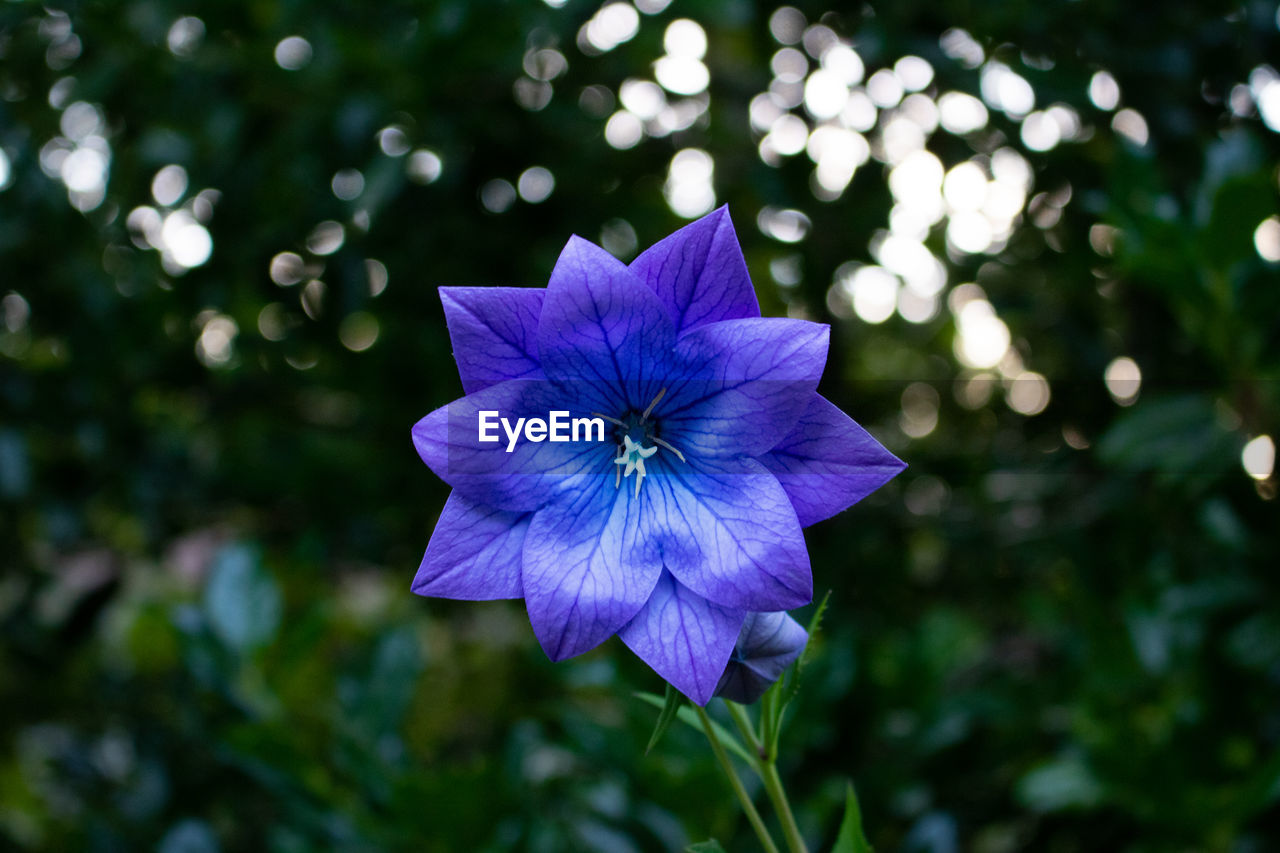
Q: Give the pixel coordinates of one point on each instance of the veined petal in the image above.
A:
(448, 440)
(827, 463)
(699, 273)
(474, 553)
(683, 637)
(602, 329)
(767, 645)
(724, 529)
(494, 331)
(582, 578)
(742, 383)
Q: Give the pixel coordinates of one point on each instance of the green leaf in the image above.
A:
(785, 693)
(1177, 437)
(673, 702)
(687, 716)
(851, 838)
(708, 846)
(815, 624)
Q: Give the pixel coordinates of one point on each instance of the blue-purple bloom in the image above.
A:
(713, 411)
(767, 644)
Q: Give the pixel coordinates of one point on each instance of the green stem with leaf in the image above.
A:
(758, 747)
(766, 767)
(744, 798)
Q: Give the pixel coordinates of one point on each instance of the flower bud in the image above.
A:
(767, 644)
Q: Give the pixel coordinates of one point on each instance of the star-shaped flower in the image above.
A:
(712, 407)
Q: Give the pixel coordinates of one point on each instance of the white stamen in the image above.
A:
(668, 446)
(645, 416)
(613, 421)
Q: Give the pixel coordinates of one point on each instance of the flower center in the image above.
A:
(639, 441)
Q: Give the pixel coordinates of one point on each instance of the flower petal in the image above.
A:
(582, 577)
(767, 645)
(685, 638)
(726, 530)
(827, 463)
(494, 331)
(448, 440)
(474, 553)
(602, 329)
(742, 384)
(699, 273)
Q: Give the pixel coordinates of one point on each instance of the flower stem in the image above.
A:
(743, 722)
(773, 785)
(767, 732)
(726, 765)
(766, 767)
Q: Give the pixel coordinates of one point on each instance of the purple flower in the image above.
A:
(767, 644)
(714, 426)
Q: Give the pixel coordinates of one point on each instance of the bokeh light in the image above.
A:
(347, 184)
(1264, 86)
(874, 293)
(960, 113)
(497, 195)
(1104, 91)
(982, 338)
(786, 225)
(1005, 90)
(787, 24)
(685, 39)
(359, 331)
(612, 25)
(312, 298)
(624, 130)
(1028, 393)
(536, 184)
(957, 44)
(186, 242)
(216, 344)
(16, 311)
(378, 277)
(185, 35)
(688, 189)
(287, 268)
(293, 53)
(1123, 379)
(1266, 239)
(1130, 124)
(393, 140)
(326, 238)
(424, 166)
(920, 404)
(619, 238)
(1259, 457)
(169, 185)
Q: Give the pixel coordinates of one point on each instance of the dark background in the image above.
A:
(1055, 631)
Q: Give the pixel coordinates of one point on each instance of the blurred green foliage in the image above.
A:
(1055, 631)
